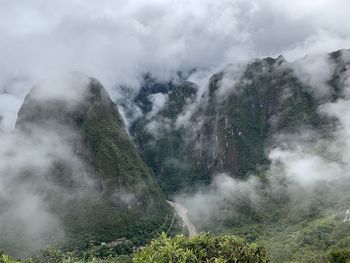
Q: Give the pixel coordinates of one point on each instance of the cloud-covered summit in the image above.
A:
(117, 41)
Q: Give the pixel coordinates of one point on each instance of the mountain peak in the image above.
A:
(103, 188)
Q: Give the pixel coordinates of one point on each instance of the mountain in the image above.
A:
(230, 127)
(97, 187)
(260, 151)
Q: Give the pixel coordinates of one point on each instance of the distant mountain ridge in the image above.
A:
(261, 151)
(230, 133)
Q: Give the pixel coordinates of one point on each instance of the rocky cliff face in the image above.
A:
(229, 127)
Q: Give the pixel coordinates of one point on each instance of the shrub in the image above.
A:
(202, 248)
(340, 256)
(7, 259)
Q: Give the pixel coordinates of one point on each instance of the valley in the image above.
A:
(167, 131)
(255, 153)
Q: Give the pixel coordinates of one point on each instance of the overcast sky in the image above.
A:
(115, 41)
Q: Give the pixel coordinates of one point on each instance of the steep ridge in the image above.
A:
(218, 141)
(230, 126)
(104, 191)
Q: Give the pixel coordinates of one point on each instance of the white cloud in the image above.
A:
(158, 101)
(315, 71)
(300, 162)
(115, 41)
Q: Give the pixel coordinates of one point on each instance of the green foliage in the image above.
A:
(51, 255)
(304, 228)
(226, 134)
(202, 248)
(268, 99)
(98, 213)
(109, 260)
(7, 259)
(339, 256)
(97, 254)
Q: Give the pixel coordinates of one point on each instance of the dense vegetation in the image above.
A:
(306, 228)
(226, 133)
(181, 249)
(268, 99)
(166, 153)
(202, 248)
(112, 194)
(126, 208)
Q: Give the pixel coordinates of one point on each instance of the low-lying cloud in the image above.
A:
(32, 159)
(300, 162)
(118, 41)
(27, 223)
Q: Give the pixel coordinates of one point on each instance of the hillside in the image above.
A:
(230, 126)
(95, 185)
(260, 151)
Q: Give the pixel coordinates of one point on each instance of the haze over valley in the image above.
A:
(133, 131)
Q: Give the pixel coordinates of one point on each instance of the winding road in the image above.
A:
(182, 213)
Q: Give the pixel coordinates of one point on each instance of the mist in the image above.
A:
(32, 200)
(28, 222)
(117, 41)
(302, 163)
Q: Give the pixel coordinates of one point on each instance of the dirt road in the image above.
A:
(182, 213)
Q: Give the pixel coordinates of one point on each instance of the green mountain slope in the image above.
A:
(268, 105)
(105, 191)
(228, 133)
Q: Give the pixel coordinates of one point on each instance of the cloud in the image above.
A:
(9, 105)
(209, 203)
(158, 126)
(27, 224)
(117, 41)
(315, 71)
(158, 101)
(300, 162)
(32, 158)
